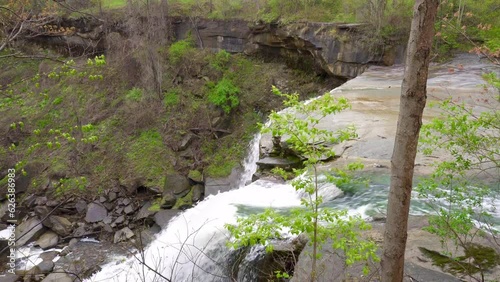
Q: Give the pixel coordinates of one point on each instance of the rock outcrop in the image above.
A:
(341, 50)
(336, 49)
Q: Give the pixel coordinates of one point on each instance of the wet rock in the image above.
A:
(148, 235)
(129, 209)
(33, 274)
(72, 242)
(29, 231)
(52, 203)
(59, 277)
(95, 213)
(40, 201)
(123, 235)
(46, 266)
(278, 162)
(176, 184)
(107, 228)
(196, 176)
(223, 184)
(65, 251)
(41, 211)
(81, 207)
(112, 196)
(108, 219)
(50, 255)
(9, 278)
(125, 201)
(29, 201)
(168, 201)
(163, 217)
(198, 191)
(109, 206)
(59, 224)
(186, 141)
(80, 231)
(119, 220)
(282, 258)
(47, 240)
(3, 210)
(184, 207)
(420, 273)
(145, 211)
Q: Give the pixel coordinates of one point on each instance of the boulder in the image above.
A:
(59, 225)
(163, 217)
(126, 201)
(49, 255)
(148, 235)
(81, 206)
(414, 272)
(214, 185)
(48, 240)
(119, 220)
(80, 231)
(9, 278)
(256, 264)
(52, 203)
(145, 211)
(46, 266)
(198, 191)
(41, 211)
(123, 235)
(129, 209)
(176, 184)
(278, 162)
(95, 212)
(196, 176)
(112, 196)
(168, 200)
(41, 201)
(29, 231)
(186, 141)
(108, 219)
(59, 277)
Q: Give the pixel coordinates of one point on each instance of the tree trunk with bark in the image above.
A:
(412, 103)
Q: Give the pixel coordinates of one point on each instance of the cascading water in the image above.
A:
(192, 247)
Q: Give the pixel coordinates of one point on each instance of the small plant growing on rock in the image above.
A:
(319, 224)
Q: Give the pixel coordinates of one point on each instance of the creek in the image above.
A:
(192, 247)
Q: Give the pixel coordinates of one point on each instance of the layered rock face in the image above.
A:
(342, 50)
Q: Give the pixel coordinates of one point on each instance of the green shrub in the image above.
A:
(134, 94)
(224, 94)
(220, 61)
(171, 98)
(178, 50)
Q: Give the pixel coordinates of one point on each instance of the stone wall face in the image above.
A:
(341, 50)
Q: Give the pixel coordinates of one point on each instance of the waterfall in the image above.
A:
(192, 247)
(250, 162)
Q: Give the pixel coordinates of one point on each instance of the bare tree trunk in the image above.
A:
(413, 99)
